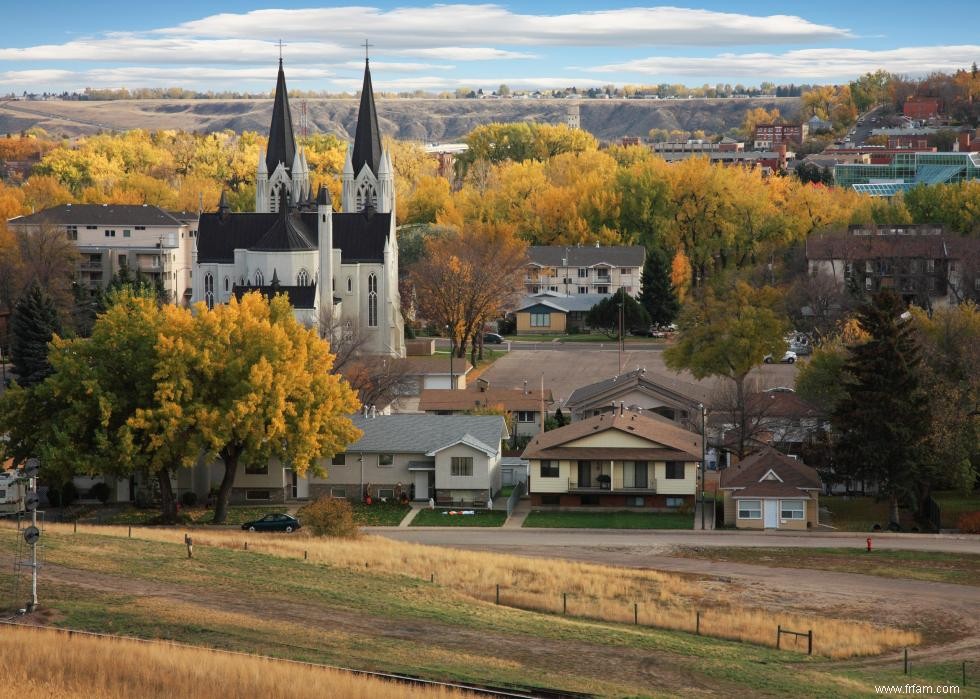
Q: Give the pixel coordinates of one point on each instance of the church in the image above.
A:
(339, 268)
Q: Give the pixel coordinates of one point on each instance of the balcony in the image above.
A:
(90, 266)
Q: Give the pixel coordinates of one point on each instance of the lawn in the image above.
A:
(379, 514)
(932, 566)
(442, 518)
(361, 612)
(198, 515)
(624, 519)
(860, 514)
(955, 503)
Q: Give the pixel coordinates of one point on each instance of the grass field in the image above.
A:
(933, 566)
(440, 518)
(379, 514)
(955, 503)
(860, 514)
(625, 519)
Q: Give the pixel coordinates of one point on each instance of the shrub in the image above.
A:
(330, 517)
(54, 496)
(189, 499)
(101, 492)
(69, 494)
(969, 523)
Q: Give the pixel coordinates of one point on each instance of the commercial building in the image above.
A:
(907, 169)
(771, 136)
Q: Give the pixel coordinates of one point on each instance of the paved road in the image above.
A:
(606, 346)
(662, 540)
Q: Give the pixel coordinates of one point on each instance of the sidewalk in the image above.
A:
(709, 517)
(410, 515)
(517, 517)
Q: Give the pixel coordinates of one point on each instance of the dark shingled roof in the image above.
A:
(361, 237)
(282, 144)
(795, 477)
(299, 296)
(100, 215)
(367, 136)
(615, 255)
(288, 233)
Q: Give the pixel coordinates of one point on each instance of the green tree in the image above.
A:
(882, 421)
(725, 333)
(657, 294)
(605, 316)
(32, 325)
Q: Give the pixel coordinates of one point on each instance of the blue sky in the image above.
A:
(57, 45)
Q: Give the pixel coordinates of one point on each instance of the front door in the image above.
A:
(771, 513)
(584, 474)
(421, 480)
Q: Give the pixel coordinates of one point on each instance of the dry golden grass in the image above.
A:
(594, 591)
(43, 664)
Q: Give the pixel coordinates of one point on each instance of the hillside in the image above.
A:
(407, 119)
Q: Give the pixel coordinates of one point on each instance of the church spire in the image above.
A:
(367, 137)
(282, 144)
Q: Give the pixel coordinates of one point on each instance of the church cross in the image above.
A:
(366, 46)
(280, 49)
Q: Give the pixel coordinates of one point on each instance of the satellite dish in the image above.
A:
(31, 467)
(31, 535)
(31, 501)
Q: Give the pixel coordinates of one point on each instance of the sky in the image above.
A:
(56, 45)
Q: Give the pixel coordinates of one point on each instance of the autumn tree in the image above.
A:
(467, 278)
(725, 332)
(756, 116)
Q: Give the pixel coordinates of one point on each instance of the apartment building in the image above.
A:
(571, 270)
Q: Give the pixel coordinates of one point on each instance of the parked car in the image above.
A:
(492, 339)
(273, 523)
(788, 358)
(643, 332)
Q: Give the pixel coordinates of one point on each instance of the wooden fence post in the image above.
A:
(498, 593)
(779, 633)
(306, 555)
(964, 673)
(636, 614)
(75, 523)
(564, 603)
(697, 622)
(905, 664)
(809, 642)
(432, 578)
(246, 546)
(130, 532)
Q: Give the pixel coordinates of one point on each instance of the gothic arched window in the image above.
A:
(303, 278)
(350, 285)
(372, 301)
(227, 283)
(209, 290)
(365, 195)
(259, 279)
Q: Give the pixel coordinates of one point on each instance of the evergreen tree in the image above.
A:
(657, 295)
(32, 324)
(883, 419)
(560, 417)
(604, 316)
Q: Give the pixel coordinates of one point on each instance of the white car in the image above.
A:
(788, 358)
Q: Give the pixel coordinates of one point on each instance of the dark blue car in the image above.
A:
(273, 523)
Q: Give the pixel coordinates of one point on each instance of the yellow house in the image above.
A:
(554, 313)
(769, 490)
(625, 459)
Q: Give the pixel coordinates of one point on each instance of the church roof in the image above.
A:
(288, 233)
(282, 144)
(361, 237)
(299, 296)
(367, 136)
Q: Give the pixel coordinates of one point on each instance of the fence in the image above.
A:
(515, 497)
(808, 635)
(907, 668)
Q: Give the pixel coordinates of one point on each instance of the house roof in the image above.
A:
(794, 477)
(100, 215)
(928, 242)
(608, 389)
(303, 297)
(282, 144)
(367, 135)
(779, 404)
(469, 441)
(512, 399)
(289, 233)
(669, 439)
(583, 256)
(410, 433)
(561, 303)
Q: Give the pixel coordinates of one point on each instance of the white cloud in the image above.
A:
(465, 53)
(142, 76)
(32, 78)
(463, 25)
(804, 64)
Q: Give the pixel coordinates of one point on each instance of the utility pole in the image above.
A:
(620, 343)
(32, 533)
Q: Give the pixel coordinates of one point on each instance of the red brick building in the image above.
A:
(771, 136)
(921, 107)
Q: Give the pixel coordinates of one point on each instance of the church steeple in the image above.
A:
(367, 137)
(282, 143)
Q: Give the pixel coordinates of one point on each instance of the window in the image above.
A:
(675, 502)
(127, 233)
(338, 492)
(241, 281)
(525, 416)
(635, 501)
(583, 290)
(72, 232)
(602, 273)
(339, 459)
(372, 301)
(930, 266)
(549, 468)
(350, 286)
(868, 283)
(259, 278)
(792, 509)
(386, 493)
(540, 320)
(91, 228)
(626, 270)
(122, 261)
(256, 494)
(635, 474)
(140, 228)
(602, 289)
(209, 290)
(386, 459)
(461, 466)
(364, 196)
(675, 470)
(550, 499)
(583, 272)
(303, 278)
(750, 509)
(256, 470)
(227, 284)
(110, 234)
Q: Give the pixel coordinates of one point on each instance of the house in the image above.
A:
(450, 458)
(524, 405)
(923, 263)
(555, 313)
(771, 136)
(815, 124)
(641, 391)
(626, 459)
(144, 239)
(571, 270)
(769, 490)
